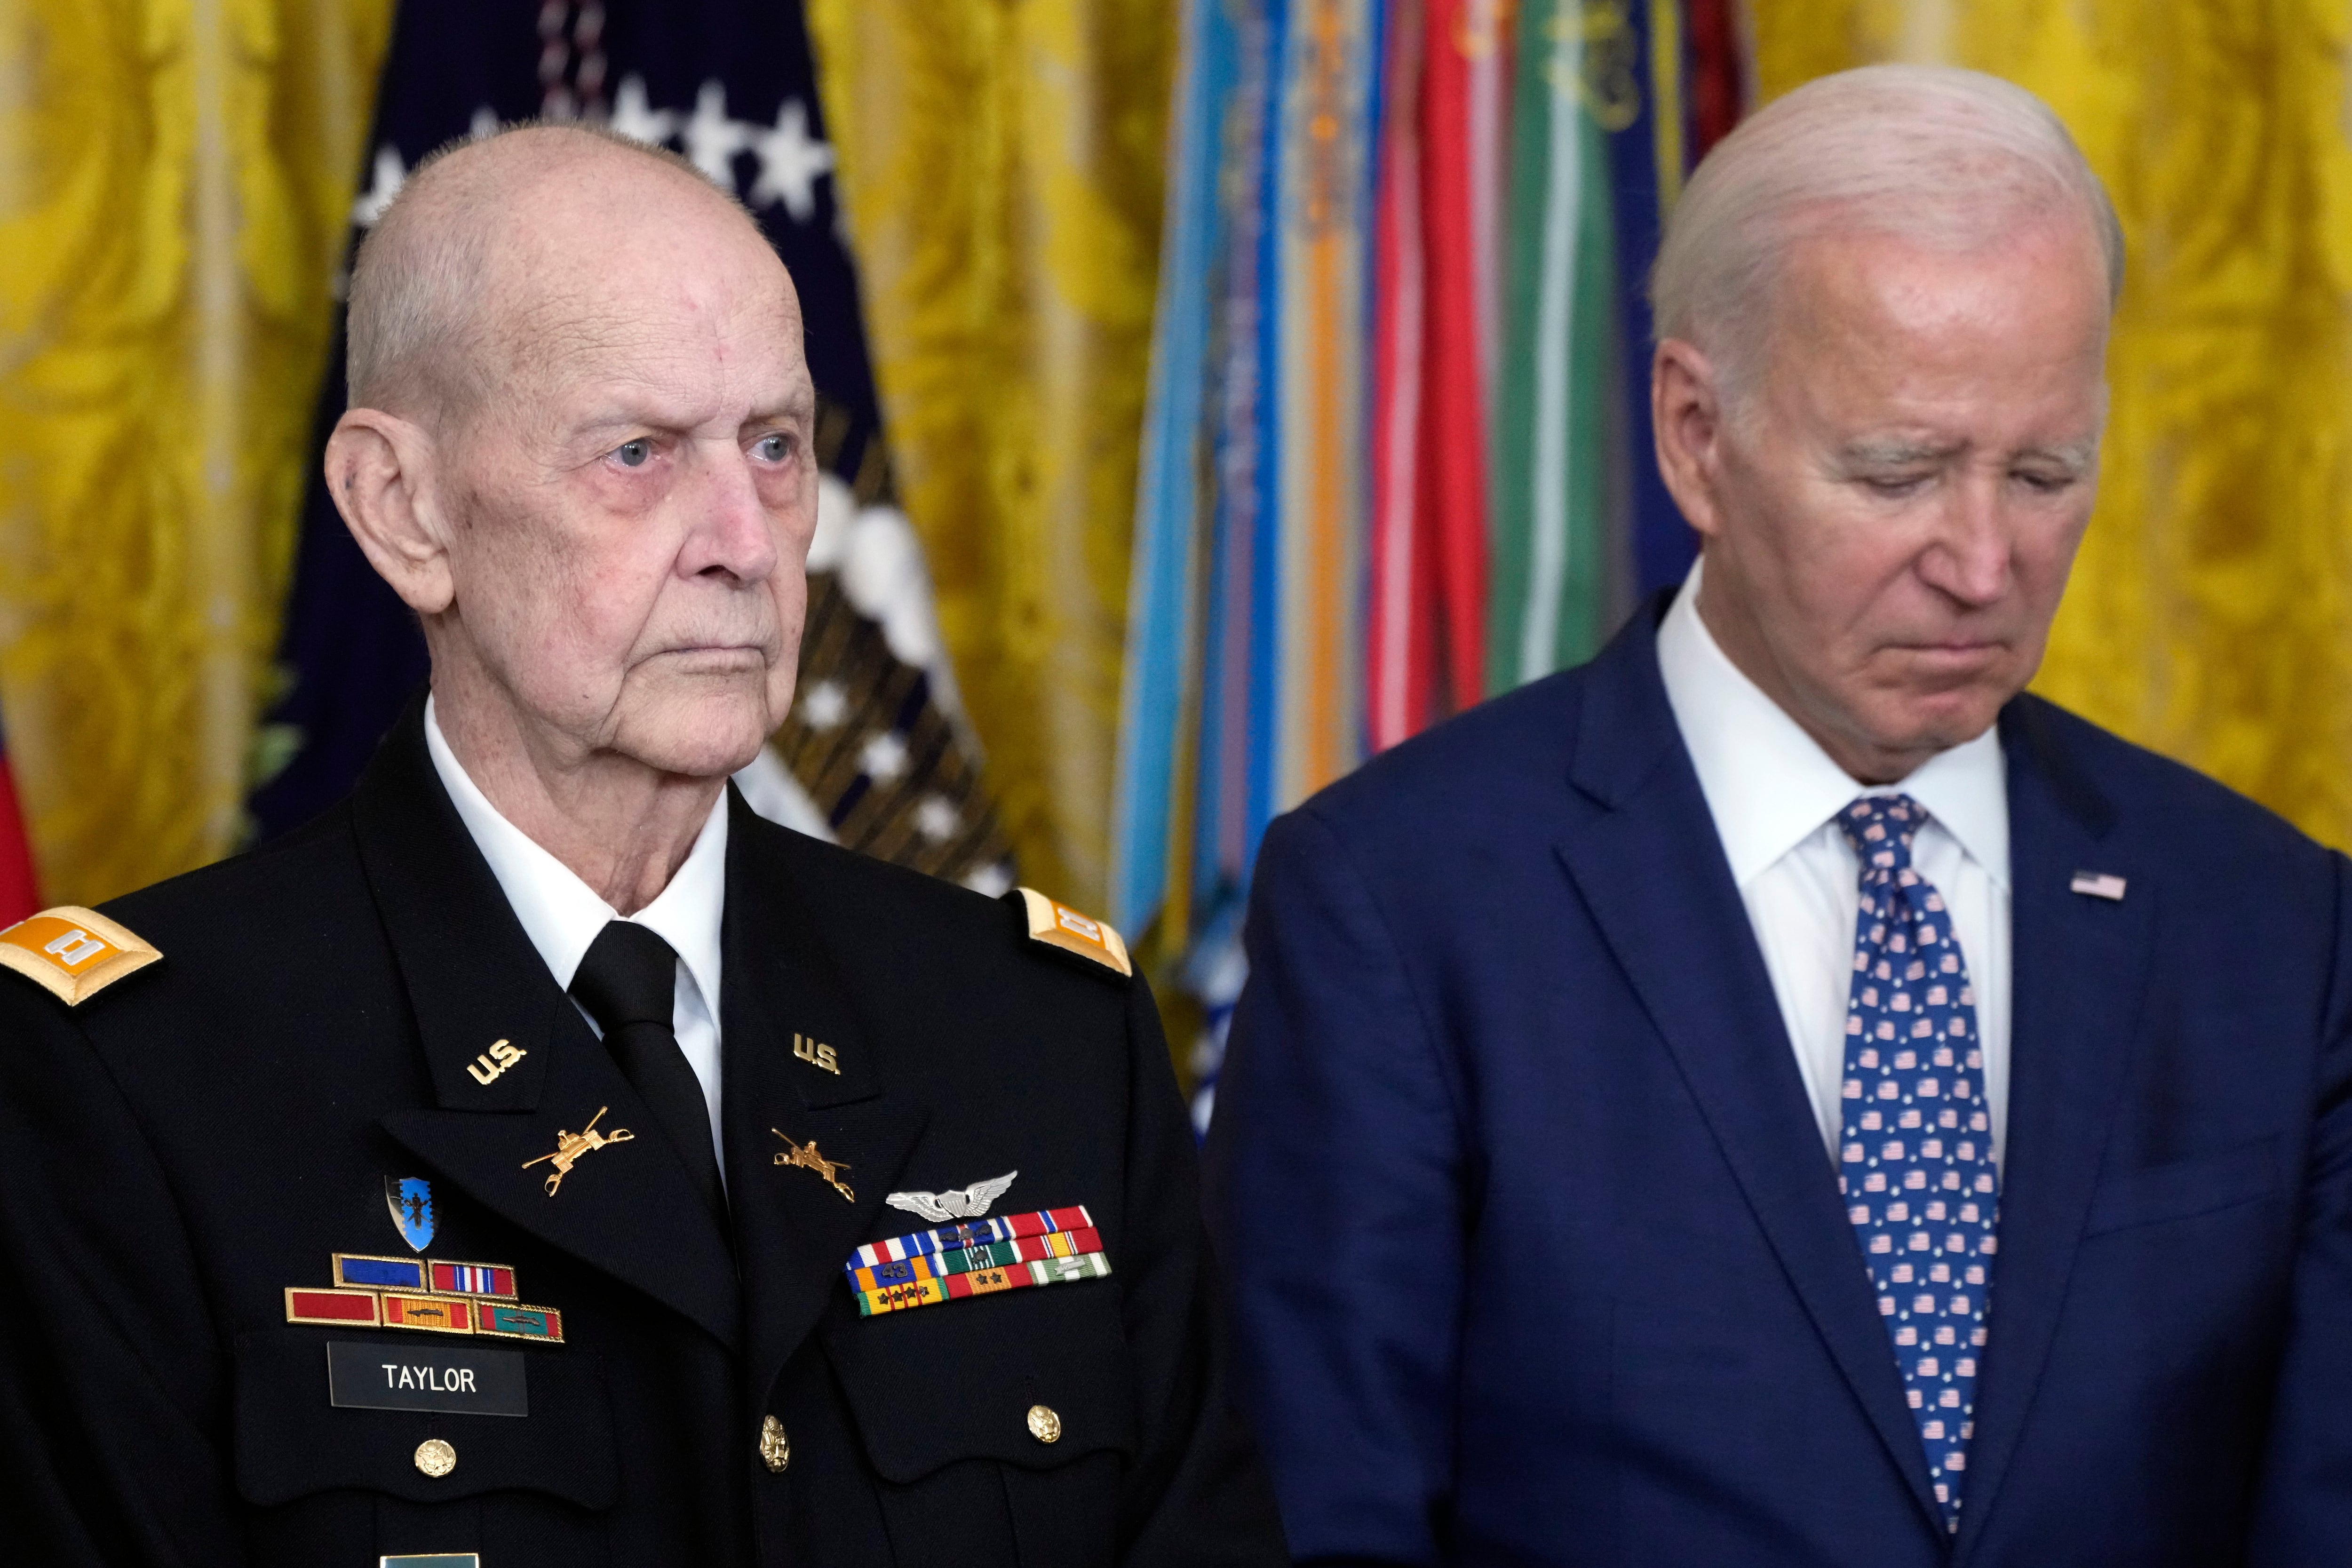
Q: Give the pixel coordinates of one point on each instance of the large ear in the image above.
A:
(1687, 419)
(380, 471)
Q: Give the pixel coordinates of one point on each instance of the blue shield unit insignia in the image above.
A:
(410, 1199)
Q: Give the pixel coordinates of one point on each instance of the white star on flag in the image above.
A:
(884, 757)
(936, 819)
(634, 116)
(824, 706)
(790, 162)
(388, 174)
(712, 139)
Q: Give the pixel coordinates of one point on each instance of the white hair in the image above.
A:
(1952, 158)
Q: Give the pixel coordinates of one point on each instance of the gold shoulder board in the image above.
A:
(73, 952)
(1058, 925)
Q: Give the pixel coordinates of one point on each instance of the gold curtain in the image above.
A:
(175, 181)
(2207, 616)
(1001, 165)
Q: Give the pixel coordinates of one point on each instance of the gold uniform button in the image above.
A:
(1044, 1423)
(435, 1457)
(775, 1446)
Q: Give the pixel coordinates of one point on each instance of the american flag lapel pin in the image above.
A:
(2098, 885)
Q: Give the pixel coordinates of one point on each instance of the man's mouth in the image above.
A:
(1954, 647)
(1957, 659)
(717, 657)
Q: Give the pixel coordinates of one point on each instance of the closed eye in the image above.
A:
(1894, 486)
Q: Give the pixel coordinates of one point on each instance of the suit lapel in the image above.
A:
(793, 1228)
(2081, 972)
(1651, 870)
(630, 1209)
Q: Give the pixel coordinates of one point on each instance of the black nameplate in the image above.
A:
(406, 1377)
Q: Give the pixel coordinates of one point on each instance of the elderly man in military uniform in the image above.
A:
(539, 1158)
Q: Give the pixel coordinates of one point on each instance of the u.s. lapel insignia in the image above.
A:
(486, 1068)
(410, 1199)
(956, 1202)
(73, 954)
(816, 1054)
(570, 1146)
(2098, 885)
(805, 1156)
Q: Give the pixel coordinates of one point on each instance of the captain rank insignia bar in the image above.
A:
(976, 1258)
(426, 1294)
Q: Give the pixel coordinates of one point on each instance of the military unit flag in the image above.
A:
(1397, 454)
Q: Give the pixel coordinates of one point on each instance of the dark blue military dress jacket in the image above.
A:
(194, 1179)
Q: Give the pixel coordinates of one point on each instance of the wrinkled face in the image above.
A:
(1898, 502)
(632, 501)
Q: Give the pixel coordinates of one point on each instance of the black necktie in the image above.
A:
(628, 983)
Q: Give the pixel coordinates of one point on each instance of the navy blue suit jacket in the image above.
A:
(1538, 1256)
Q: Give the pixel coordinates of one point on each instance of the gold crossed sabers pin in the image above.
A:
(805, 1156)
(570, 1146)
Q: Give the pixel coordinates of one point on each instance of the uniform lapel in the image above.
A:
(2082, 971)
(1651, 870)
(787, 1013)
(630, 1209)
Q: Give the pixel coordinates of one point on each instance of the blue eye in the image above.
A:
(635, 454)
(773, 448)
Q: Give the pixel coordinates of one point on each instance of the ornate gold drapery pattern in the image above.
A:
(175, 180)
(2207, 615)
(1001, 165)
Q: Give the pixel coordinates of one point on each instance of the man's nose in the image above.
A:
(1970, 558)
(732, 532)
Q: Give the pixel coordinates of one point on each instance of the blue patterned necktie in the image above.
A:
(1915, 1144)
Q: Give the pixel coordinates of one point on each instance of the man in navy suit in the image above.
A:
(1778, 1094)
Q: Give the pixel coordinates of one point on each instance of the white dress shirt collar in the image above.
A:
(1769, 785)
(562, 914)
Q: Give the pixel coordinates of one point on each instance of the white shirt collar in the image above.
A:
(561, 913)
(1770, 786)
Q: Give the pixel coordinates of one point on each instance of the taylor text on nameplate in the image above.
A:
(402, 1377)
